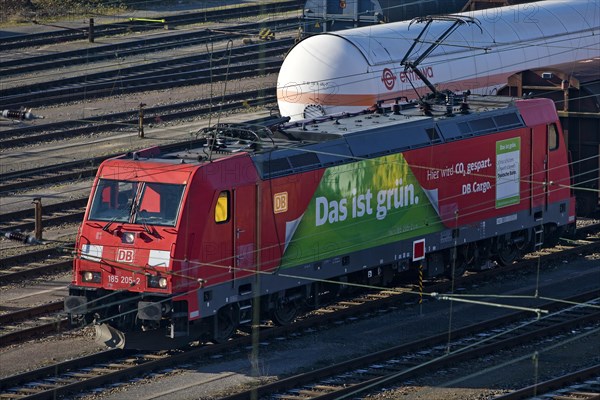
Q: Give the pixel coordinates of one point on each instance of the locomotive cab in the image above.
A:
(157, 234)
(126, 250)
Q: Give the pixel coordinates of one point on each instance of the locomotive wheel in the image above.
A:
(226, 324)
(507, 255)
(284, 312)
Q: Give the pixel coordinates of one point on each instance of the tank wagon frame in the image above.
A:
(186, 245)
(332, 15)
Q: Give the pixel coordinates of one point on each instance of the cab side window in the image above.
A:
(222, 208)
(552, 137)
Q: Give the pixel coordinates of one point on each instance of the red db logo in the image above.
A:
(125, 255)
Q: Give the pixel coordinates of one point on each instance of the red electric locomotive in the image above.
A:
(184, 244)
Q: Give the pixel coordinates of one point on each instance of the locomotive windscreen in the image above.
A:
(136, 202)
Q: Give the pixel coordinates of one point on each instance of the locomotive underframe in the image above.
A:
(285, 292)
(491, 242)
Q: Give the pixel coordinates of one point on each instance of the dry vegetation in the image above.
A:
(16, 11)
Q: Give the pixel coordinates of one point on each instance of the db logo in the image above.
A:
(125, 255)
(342, 3)
(280, 202)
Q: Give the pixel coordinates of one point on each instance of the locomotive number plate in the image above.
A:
(124, 280)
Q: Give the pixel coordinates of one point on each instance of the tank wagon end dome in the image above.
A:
(334, 60)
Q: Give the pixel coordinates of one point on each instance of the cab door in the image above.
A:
(539, 167)
(245, 249)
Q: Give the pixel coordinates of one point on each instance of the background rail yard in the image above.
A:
(78, 87)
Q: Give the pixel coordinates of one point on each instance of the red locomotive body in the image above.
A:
(184, 245)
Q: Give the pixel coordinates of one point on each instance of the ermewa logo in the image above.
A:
(361, 204)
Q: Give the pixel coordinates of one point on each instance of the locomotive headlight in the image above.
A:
(91, 276)
(157, 282)
(128, 237)
(162, 282)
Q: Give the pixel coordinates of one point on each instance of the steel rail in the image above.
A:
(561, 382)
(21, 335)
(31, 312)
(170, 112)
(6, 218)
(354, 385)
(160, 78)
(173, 111)
(68, 34)
(91, 379)
(31, 177)
(33, 255)
(130, 48)
(21, 272)
(164, 80)
(195, 63)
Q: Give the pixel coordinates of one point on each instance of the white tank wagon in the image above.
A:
(354, 69)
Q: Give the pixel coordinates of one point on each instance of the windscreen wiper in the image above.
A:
(109, 223)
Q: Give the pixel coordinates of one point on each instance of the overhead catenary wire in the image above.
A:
(524, 179)
(546, 348)
(434, 295)
(227, 267)
(450, 299)
(357, 223)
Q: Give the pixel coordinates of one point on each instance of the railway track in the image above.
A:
(29, 323)
(581, 385)
(104, 30)
(36, 177)
(145, 46)
(30, 265)
(114, 366)
(54, 215)
(229, 64)
(117, 121)
(57, 259)
(361, 375)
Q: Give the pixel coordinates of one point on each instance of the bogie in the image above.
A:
(225, 323)
(285, 306)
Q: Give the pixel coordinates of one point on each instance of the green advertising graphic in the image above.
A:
(508, 167)
(361, 205)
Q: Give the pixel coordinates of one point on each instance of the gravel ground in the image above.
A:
(203, 380)
(373, 334)
(499, 373)
(68, 345)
